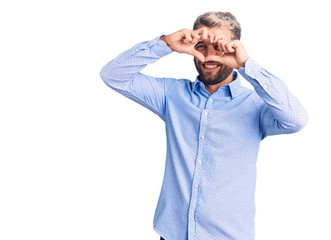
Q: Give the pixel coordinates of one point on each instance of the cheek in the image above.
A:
(196, 61)
(203, 51)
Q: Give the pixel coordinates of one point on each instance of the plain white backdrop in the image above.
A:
(79, 161)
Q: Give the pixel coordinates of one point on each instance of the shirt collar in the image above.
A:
(233, 86)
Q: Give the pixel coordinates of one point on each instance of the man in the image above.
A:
(213, 126)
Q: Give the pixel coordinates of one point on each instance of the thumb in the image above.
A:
(198, 55)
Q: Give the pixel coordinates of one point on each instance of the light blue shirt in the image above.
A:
(212, 141)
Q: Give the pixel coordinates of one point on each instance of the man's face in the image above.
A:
(212, 72)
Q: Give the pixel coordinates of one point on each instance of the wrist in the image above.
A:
(164, 39)
(244, 62)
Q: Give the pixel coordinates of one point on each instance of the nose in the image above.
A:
(211, 50)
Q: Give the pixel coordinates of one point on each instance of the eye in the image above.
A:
(200, 46)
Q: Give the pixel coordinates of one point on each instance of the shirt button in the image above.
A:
(203, 136)
(206, 113)
(196, 185)
(200, 161)
(211, 100)
(137, 50)
(192, 212)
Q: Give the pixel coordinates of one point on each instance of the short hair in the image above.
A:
(219, 19)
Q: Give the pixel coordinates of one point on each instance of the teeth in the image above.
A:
(210, 66)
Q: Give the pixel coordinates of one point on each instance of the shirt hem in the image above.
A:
(162, 234)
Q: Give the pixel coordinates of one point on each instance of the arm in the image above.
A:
(123, 75)
(281, 112)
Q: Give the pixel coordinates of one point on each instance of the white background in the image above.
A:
(79, 161)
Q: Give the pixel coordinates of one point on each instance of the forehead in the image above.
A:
(220, 31)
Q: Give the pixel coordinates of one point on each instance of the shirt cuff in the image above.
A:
(159, 47)
(253, 70)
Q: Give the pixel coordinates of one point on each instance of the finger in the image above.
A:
(211, 36)
(218, 38)
(195, 41)
(198, 55)
(221, 45)
(215, 41)
(229, 47)
(199, 31)
(195, 37)
(226, 47)
(236, 44)
(204, 34)
(187, 37)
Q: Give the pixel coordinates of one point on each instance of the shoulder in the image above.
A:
(181, 84)
(258, 101)
(249, 96)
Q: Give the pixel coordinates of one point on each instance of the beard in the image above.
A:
(212, 77)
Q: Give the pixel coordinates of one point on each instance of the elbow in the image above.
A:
(103, 75)
(300, 122)
(113, 76)
(106, 76)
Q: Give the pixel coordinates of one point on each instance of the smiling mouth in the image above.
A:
(210, 65)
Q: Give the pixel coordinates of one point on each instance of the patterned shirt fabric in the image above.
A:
(212, 141)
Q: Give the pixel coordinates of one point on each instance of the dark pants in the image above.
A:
(161, 238)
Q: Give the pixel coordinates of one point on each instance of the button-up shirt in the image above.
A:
(212, 141)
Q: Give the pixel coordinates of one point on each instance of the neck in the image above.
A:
(213, 88)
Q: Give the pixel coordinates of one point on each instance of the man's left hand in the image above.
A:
(233, 53)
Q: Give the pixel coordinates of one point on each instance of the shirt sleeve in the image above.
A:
(281, 112)
(123, 75)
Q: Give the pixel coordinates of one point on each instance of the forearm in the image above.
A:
(282, 113)
(132, 61)
(123, 75)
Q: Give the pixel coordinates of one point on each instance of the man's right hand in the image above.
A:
(184, 41)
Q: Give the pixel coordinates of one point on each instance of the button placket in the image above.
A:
(196, 174)
(209, 104)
